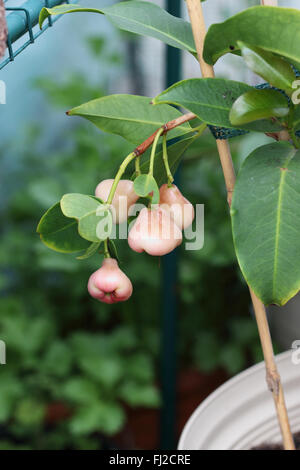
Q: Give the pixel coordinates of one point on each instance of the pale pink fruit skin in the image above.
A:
(124, 190)
(154, 232)
(181, 209)
(109, 284)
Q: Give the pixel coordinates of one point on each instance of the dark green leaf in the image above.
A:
(266, 222)
(59, 232)
(258, 104)
(272, 68)
(274, 29)
(143, 18)
(211, 100)
(132, 117)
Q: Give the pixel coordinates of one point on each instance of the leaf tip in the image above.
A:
(43, 15)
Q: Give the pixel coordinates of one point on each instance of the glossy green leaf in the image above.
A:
(296, 120)
(211, 100)
(258, 104)
(94, 218)
(144, 18)
(175, 154)
(130, 116)
(59, 232)
(144, 185)
(266, 221)
(274, 29)
(62, 10)
(275, 70)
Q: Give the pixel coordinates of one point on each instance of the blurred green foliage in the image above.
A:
(73, 363)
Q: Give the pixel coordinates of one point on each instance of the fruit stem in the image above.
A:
(106, 250)
(153, 150)
(166, 162)
(118, 176)
(137, 166)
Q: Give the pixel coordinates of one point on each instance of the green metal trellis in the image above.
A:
(21, 21)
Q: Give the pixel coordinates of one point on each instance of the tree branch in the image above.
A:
(166, 128)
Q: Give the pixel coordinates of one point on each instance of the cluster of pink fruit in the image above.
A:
(157, 231)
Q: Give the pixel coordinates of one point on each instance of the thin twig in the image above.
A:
(166, 128)
(138, 151)
(273, 378)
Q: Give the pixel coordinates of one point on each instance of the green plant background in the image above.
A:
(74, 366)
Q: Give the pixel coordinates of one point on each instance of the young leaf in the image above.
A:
(76, 205)
(260, 26)
(59, 232)
(90, 251)
(96, 225)
(94, 218)
(144, 185)
(266, 222)
(138, 17)
(211, 100)
(258, 104)
(272, 68)
(130, 116)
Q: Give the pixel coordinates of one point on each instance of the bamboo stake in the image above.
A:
(269, 3)
(272, 375)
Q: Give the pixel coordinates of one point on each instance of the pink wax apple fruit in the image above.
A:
(109, 284)
(179, 207)
(154, 232)
(123, 199)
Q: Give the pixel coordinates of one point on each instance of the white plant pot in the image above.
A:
(241, 414)
(285, 322)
